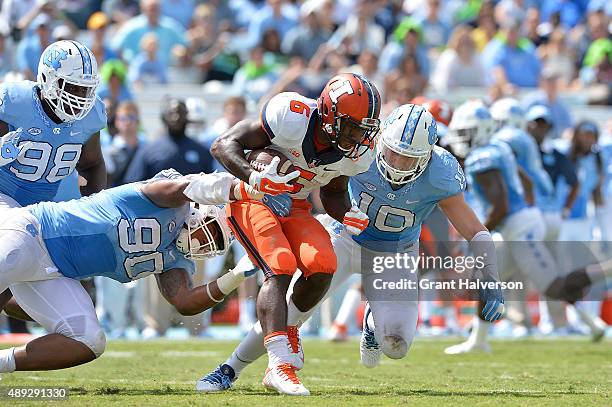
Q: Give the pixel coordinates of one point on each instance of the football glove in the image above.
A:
(269, 181)
(493, 309)
(279, 204)
(10, 148)
(355, 221)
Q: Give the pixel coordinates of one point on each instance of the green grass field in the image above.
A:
(534, 373)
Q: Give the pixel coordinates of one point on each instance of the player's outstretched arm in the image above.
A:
(494, 188)
(91, 166)
(229, 148)
(176, 287)
(469, 226)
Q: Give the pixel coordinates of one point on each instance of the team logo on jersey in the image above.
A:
(391, 196)
(56, 130)
(54, 57)
(35, 131)
(171, 226)
(369, 186)
(294, 152)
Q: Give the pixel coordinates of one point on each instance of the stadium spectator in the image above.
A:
(486, 28)
(172, 150)
(459, 64)
(255, 78)
(555, 55)
(18, 14)
(234, 110)
(31, 47)
(408, 70)
(360, 32)
(7, 53)
(532, 28)
(435, 30)
(170, 33)
(569, 11)
(179, 10)
(119, 154)
(97, 25)
(275, 14)
(596, 72)
(367, 65)
(271, 45)
(146, 68)
(305, 39)
(510, 60)
(406, 40)
(121, 11)
(114, 85)
(547, 95)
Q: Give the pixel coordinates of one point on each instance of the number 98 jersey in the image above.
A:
(55, 150)
(396, 215)
(117, 233)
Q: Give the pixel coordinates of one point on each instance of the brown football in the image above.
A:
(260, 159)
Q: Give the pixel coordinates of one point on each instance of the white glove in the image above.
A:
(10, 148)
(269, 181)
(209, 189)
(355, 221)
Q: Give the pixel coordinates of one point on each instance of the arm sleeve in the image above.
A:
(209, 189)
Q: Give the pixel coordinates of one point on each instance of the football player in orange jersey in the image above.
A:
(328, 140)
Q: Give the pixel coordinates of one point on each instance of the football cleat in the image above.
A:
(468, 347)
(297, 351)
(339, 333)
(283, 379)
(369, 349)
(220, 379)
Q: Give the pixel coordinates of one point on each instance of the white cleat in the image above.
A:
(283, 379)
(369, 349)
(338, 333)
(468, 347)
(297, 351)
(218, 380)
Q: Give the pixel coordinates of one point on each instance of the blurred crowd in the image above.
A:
(257, 48)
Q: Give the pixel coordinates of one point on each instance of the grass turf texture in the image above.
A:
(533, 372)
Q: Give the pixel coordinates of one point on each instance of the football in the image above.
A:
(259, 159)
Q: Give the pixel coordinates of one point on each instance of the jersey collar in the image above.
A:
(41, 112)
(313, 159)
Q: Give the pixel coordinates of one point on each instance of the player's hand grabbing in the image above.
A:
(10, 148)
(279, 204)
(269, 181)
(355, 221)
(493, 299)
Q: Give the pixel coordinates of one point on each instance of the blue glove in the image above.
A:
(494, 304)
(279, 204)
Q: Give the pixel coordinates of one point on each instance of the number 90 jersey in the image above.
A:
(117, 233)
(291, 121)
(396, 215)
(55, 150)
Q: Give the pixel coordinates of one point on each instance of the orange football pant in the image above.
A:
(281, 245)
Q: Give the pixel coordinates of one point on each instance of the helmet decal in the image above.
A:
(54, 56)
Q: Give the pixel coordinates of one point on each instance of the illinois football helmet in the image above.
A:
(205, 233)
(349, 107)
(441, 111)
(471, 126)
(407, 138)
(68, 79)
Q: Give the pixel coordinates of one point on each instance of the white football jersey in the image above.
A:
(290, 120)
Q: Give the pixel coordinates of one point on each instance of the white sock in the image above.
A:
(450, 317)
(591, 320)
(249, 350)
(295, 317)
(480, 330)
(7, 360)
(277, 345)
(349, 305)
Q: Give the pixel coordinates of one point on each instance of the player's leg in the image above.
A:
(251, 347)
(350, 302)
(63, 307)
(261, 233)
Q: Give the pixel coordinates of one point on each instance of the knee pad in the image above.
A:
(323, 262)
(282, 261)
(394, 346)
(84, 329)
